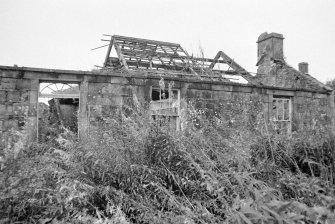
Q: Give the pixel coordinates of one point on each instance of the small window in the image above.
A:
(165, 107)
(282, 112)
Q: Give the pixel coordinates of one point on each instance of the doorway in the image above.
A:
(58, 105)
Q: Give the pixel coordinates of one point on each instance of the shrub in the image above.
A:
(132, 170)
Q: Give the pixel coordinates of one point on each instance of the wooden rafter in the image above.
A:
(136, 53)
(120, 55)
(109, 51)
(227, 60)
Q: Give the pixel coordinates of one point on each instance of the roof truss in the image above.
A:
(135, 53)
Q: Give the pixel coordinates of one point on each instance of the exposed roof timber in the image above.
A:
(136, 53)
(120, 55)
(144, 48)
(144, 41)
(109, 51)
(239, 69)
(136, 61)
(143, 45)
(228, 60)
(145, 64)
(232, 63)
(157, 66)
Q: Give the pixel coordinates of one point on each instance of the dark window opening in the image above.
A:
(157, 94)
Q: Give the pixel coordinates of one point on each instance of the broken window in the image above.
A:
(282, 112)
(165, 107)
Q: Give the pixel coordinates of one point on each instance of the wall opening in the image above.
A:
(58, 105)
(165, 107)
(282, 113)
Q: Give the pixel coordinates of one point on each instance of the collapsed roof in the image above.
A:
(157, 56)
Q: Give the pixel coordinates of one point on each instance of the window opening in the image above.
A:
(165, 107)
(282, 112)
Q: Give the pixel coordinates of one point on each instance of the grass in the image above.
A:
(130, 170)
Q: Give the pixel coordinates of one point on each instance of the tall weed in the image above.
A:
(133, 170)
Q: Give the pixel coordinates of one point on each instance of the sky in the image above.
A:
(60, 34)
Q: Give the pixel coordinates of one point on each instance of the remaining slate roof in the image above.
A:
(142, 54)
(303, 80)
(278, 73)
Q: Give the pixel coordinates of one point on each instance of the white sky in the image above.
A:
(60, 33)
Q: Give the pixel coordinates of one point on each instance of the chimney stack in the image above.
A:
(303, 67)
(271, 44)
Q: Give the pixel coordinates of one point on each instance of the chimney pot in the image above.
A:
(303, 67)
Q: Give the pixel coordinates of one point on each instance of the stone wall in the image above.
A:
(237, 102)
(103, 94)
(312, 111)
(18, 106)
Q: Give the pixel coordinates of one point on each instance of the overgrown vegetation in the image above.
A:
(131, 170)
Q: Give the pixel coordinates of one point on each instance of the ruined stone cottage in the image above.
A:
(289, 97)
